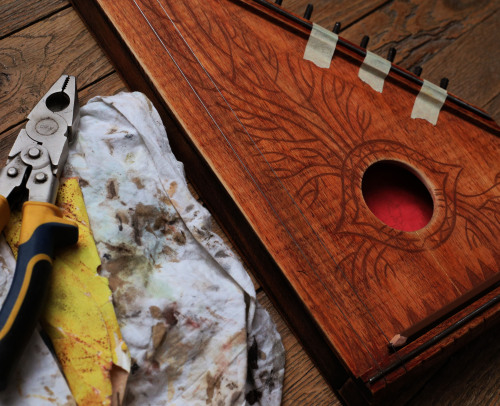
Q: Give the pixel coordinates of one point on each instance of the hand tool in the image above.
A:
(31, 175)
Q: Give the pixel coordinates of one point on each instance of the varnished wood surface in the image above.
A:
(290, 145)
(92, 70)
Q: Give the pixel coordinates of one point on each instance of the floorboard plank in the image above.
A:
(107, 86)
(16, 14)
(34, 58)
(419, 29)
(326, 12)
(474, 71)
(454, 39)
(493, 107)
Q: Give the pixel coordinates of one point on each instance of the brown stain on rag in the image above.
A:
(112, 189)
(138, 183)
(152, 219)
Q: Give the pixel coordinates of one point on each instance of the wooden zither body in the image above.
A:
(278, 148)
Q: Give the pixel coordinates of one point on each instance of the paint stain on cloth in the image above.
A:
(186, 307)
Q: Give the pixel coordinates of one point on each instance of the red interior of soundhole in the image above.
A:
(396, 196)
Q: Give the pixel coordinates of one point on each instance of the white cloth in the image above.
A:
(186, 307)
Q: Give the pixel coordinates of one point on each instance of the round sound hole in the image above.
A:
(397, 196)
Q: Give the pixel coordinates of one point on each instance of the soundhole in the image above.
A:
(397, 196)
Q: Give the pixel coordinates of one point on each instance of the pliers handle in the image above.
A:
(33, 169)
(42, 231)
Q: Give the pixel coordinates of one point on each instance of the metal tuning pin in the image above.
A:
(278, 2)
(308, 12)
(391, 54)
(336, 28)
(364, 41)
(417, 70)
(444, 83)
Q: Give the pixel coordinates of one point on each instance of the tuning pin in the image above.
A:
(391, 54)
(278, 2)
(444, 83)
(364, 41)
(417, 70)
(308, 12)
(336, 28)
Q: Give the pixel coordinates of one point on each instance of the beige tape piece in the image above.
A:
(374, 70)
(320, 46)
(429, 101)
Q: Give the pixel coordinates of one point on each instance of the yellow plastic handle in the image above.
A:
(36, 214)
(42, 231)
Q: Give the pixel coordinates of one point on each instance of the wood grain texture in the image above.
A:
(433, 35)
(326, 15)
(15, 14)
(282, 130)
(474, 71)
(40, 54)
(470, 377)
(450, 387)
(493, 106)
(106, 86)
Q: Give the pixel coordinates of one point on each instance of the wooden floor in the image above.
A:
(458, 39)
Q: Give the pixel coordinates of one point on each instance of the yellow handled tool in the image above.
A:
(32, 175)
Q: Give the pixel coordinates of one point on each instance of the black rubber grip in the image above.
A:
(24, 303)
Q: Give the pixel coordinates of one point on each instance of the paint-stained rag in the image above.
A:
(186, 307)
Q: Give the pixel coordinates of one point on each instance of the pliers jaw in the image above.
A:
(61, 100)
(38, 155)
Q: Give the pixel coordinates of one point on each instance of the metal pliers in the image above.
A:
(31, 175)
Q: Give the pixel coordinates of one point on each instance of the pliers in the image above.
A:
(32, 175)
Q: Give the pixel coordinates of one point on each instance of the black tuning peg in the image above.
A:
(336, 28)
(364, 41)
(444, 83)
(417, 70)
(278, 2)
(308, 12)
(391, 54)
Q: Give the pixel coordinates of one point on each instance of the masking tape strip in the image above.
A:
(374, 70)
(428, 103)
(320, 46)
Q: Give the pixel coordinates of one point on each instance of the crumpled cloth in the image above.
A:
(37, 380)
(186, 307)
